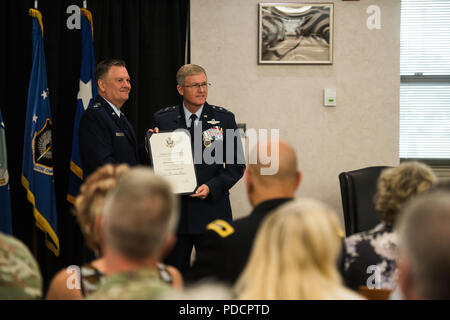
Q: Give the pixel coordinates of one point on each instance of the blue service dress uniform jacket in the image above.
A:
(219, 177)
(105, 138)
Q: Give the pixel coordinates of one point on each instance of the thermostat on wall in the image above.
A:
(330, 97)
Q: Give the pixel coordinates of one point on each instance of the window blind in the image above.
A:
(425, 37)
(425, 79)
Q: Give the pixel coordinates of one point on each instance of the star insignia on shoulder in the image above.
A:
(166, 110)
(220, 109)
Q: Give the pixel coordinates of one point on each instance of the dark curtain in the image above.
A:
(149, 35)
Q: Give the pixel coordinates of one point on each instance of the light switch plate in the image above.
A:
(329, 97)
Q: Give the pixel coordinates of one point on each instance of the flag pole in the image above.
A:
(35, 240)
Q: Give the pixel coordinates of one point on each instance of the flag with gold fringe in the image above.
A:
(37, 162)
(87, 92)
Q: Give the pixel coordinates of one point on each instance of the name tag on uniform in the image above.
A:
(120, 134)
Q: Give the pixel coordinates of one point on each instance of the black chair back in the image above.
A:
(358, 190)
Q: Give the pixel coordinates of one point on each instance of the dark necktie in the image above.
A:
(193, 117)
(123, 121)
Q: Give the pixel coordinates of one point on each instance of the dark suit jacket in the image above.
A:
(197, 213)
(224, 258)
(104, 138)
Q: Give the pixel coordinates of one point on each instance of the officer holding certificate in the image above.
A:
(208, 125)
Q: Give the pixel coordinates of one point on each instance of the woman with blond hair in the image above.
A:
(295, 255)
(88, 210)
(370, 256)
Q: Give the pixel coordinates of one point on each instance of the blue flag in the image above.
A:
(87, 92)
(37, 163)
(5, 200)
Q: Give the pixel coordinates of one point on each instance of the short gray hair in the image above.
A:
(139, 212)
(424, 238)
(188, 70)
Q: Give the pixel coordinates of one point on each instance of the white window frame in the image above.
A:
(419, 78)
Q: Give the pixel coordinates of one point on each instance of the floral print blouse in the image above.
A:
(370, 258)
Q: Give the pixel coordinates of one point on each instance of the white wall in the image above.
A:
(361, 131)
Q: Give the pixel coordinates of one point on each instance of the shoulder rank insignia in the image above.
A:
(221, 227)
(220, 109)
(166, 109)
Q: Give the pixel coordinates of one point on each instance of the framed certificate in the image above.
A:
(171, 157)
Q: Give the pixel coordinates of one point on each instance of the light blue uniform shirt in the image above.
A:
(187, 115)
(117, 111)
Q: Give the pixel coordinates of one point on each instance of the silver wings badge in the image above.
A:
(213, 121)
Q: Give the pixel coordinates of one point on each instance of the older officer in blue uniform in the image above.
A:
(105, 135)
(211, 199)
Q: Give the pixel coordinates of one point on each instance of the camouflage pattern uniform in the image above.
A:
(20, 277)
(142, 284)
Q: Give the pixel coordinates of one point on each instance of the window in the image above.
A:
(425, 80)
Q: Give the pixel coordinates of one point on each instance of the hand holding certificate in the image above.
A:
(171, 157)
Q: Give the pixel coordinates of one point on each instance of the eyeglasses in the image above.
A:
(203, 85)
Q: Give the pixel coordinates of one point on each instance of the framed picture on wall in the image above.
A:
(295, 33)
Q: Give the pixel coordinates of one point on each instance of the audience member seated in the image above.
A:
(75, 283)
(20, 278)
(140, 213)
(370, 256)
(424, 247)
(294, 256)
(226, 248)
